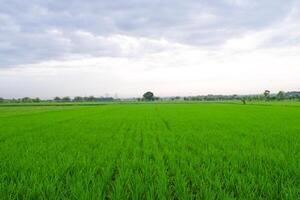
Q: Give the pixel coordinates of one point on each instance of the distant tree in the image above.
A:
(66, 99)
(243, 99)
(106, 99)
(91, 98)
(57, 99)
(78, 98)
(156, 98)
(280, 95)
(36, 99)
(1, 100)
(26, 100)
(266, 94)
(148, 96)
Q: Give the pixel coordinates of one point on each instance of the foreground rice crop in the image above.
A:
(150, 151)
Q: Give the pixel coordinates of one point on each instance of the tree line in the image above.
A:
(149, 96)
(265, 96)
(83, 99)
(58, 99)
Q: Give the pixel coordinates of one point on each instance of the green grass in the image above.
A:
(150, 151)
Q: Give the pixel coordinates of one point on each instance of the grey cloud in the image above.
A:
(26, 37)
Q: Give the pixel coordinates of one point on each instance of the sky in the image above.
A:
(123, 48)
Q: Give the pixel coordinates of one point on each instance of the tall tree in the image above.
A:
(148, 96)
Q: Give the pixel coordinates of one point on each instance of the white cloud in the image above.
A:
(183, 48)
(177, 70)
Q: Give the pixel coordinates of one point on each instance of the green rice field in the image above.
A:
(150, 151)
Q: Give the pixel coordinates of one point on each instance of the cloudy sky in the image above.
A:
(172, 47)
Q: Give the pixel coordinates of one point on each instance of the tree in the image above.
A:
(280, 95)
(78, 98)
(148, 96)
(267, 94)
(57, 99)
(26, 99)
(1, 100)
(91, 98)
(243, 99)
(66, 99)
(36, 99)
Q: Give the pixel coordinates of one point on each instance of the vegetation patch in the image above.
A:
(150, 151)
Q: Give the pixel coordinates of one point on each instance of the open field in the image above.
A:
(150, 151)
